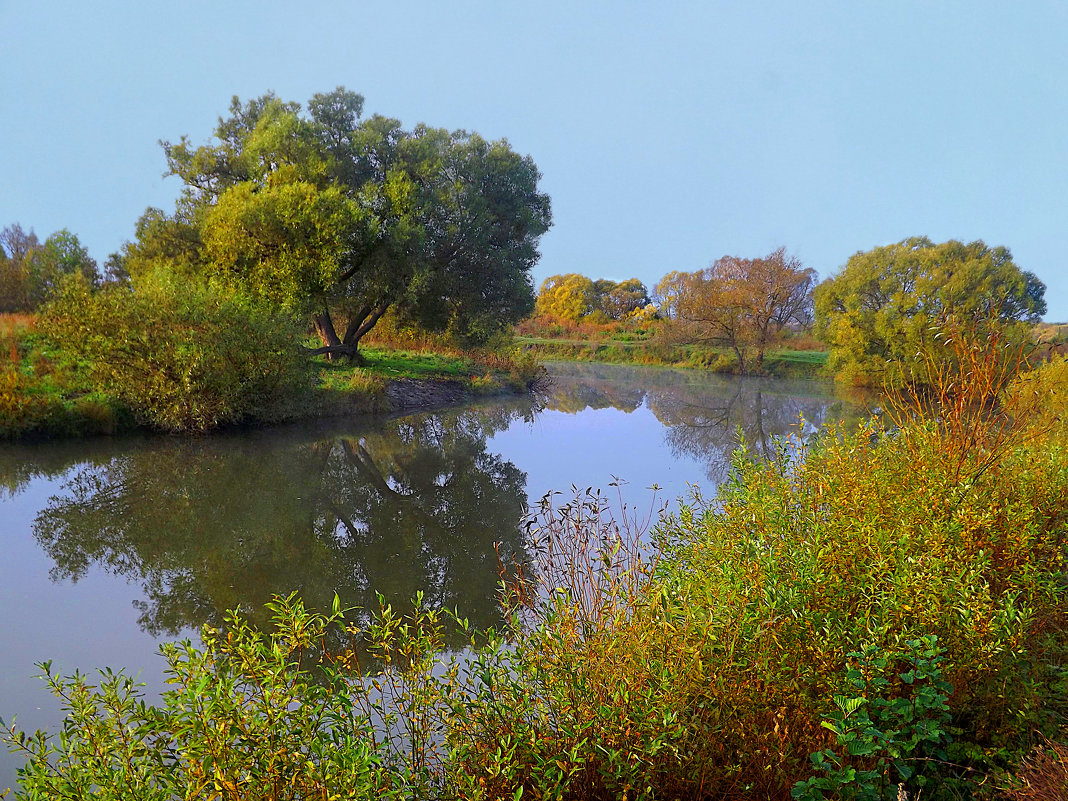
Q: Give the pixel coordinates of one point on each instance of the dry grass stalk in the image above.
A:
(1043, 776)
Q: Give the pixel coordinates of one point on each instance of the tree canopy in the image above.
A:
(619, 300)
(31, 272)
(740, 303)
(573, 296)
(346, 219)
(886, 308)
(569, 296)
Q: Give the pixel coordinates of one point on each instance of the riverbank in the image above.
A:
(46, 392)
(782, 363)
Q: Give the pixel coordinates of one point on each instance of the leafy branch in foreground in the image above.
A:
(243, 718)
(896, 739)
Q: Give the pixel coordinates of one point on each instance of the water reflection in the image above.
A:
(189, 529)
(395, 506)
(415, 504)
(704, 416)
(710, 428)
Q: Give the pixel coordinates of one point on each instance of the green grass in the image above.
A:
(816, 357)
(411, 364)
(382, 365)
(45, 393)
(784, 363)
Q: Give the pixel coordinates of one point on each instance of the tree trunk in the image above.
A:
(348, 346)
(361, 324)
(324, 328)
(741, 359)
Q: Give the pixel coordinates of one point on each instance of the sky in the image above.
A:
(668, 134)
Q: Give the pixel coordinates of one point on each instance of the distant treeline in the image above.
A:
(884, 316)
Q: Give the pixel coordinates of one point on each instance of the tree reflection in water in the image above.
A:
(710, 428)
(415, 504)
(392, 506)
(704, 414)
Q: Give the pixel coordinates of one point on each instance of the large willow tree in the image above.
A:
(344, 219)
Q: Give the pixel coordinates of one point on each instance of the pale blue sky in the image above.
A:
(669, 134)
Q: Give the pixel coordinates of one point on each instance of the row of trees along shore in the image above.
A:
(871, 614)
(886, 310)
(31, 271)
(294, 221)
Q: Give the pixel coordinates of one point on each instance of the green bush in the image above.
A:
(183, 356)
(897, 740)
(245, 717)
(707, 666)
(22, 410)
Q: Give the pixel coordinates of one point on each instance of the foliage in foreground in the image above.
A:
(242, 718)
(873, 613)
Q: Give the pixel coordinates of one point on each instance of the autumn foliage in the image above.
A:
(740, 304)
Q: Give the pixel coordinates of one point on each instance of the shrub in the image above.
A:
(184, 357)
(248, 716)
(901, 739)
(367, 383)
(1043, 776)
(886, 606)
(1042, 394)
(22, 410)
(706, 664)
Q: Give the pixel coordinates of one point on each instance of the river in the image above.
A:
(111, 545)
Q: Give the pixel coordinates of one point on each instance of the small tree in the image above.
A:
(573, 297)
(619, 300)
(31, 272)
(569, 297)
(742, 304)
(62, 256)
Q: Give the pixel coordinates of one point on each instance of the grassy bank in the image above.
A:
(877, 613)
(653, 342)
(783, 363)
(49, 391)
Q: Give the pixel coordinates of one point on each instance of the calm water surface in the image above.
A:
(112, 545)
